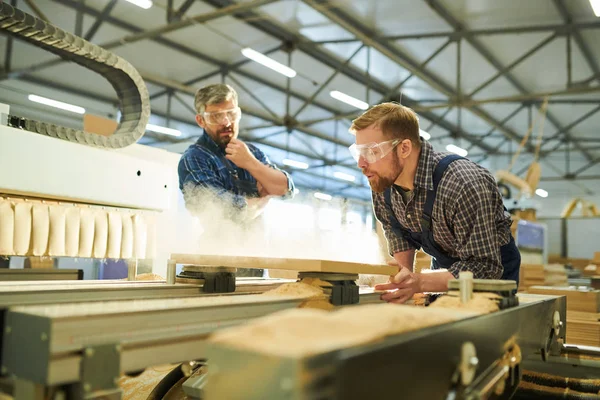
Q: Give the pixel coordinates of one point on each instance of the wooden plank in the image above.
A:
(294, 264)
(588, 301)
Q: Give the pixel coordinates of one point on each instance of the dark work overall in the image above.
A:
(511, 258)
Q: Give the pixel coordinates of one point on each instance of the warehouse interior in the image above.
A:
(145, 301)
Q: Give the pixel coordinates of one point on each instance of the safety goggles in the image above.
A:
(373, 152)
(222, 117)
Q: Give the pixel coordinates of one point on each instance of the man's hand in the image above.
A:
(402, 287)
(239, 153)
(262, 192)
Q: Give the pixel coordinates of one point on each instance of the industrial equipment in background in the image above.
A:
(81, 195)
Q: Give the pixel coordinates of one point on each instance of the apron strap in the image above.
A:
(396, 225)
(438, 172)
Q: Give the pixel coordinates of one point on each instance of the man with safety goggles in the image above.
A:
(442, 203)
(238, 172)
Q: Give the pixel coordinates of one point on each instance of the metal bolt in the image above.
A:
(118, 347)
(474, 361)
(44, 336)
(8, 329)
(89, 352)
(87, 387)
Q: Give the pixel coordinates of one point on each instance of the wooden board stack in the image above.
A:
(542, 275)
(555, 275)
(583, 313)
(531, 275)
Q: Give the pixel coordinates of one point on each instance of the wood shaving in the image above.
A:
(304, 332)
(149, 277)
(480, 302)
(139, 387)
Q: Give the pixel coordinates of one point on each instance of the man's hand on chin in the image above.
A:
(239, 153)
(401, 287)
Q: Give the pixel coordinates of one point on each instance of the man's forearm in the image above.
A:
(435, 281)
(405, 259)
(274, 181)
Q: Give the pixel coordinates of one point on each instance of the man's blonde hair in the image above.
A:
(394, 120)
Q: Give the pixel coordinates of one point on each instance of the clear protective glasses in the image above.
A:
(222, 117)
(373, 152)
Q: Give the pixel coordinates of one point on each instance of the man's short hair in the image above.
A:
(394, 120)
(214, 94)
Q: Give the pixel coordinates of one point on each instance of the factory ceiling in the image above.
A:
(477, 73)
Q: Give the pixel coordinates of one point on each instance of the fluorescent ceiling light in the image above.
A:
(268, 62)
(162, 129)
(541, 193)
(145, 4)
(322, 196)
(596, 7)
(424, 134)
(345, 177)
(57, 104)
(343, 97)
(295, 164)
(458, 150)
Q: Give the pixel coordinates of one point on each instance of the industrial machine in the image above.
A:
(79, 194)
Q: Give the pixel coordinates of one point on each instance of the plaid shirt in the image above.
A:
(469, 220)
(202, 165)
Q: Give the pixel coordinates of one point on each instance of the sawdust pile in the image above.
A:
(306, 288)
(310, 289)
(149, 277)
(304, 332)
(480, 302)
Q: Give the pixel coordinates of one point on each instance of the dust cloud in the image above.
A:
(302, 228)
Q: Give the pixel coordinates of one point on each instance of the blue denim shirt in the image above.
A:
(203, 164)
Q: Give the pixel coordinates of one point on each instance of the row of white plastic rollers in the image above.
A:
(37, 228)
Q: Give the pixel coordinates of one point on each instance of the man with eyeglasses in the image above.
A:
(442, 203)
(234, 171)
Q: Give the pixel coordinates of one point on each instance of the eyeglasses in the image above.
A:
(373, 152)
(222, 117)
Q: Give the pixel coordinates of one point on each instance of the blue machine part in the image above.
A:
(530, 235)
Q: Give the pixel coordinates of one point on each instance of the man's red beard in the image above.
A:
(380, 183)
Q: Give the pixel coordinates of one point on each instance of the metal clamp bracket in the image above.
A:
(100, 370)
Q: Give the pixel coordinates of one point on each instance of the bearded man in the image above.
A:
(235, 172)
(444, 204)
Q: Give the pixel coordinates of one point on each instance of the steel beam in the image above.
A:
(36, 10)
(512, 65)
(570, 178)
(78, 21)
(393, 53)
(183, 9)
(327, 81)
(89, 35)
(458, 26)
(262, 23)
(579, 120)
(140, 34)
(585, 49)
(560, 28)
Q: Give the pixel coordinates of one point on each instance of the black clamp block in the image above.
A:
(219, 282)
(214, 282)
(344, 293)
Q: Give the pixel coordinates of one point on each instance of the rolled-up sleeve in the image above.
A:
(263, 158)
(477, 241)
(200, 173)
(396, 243)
